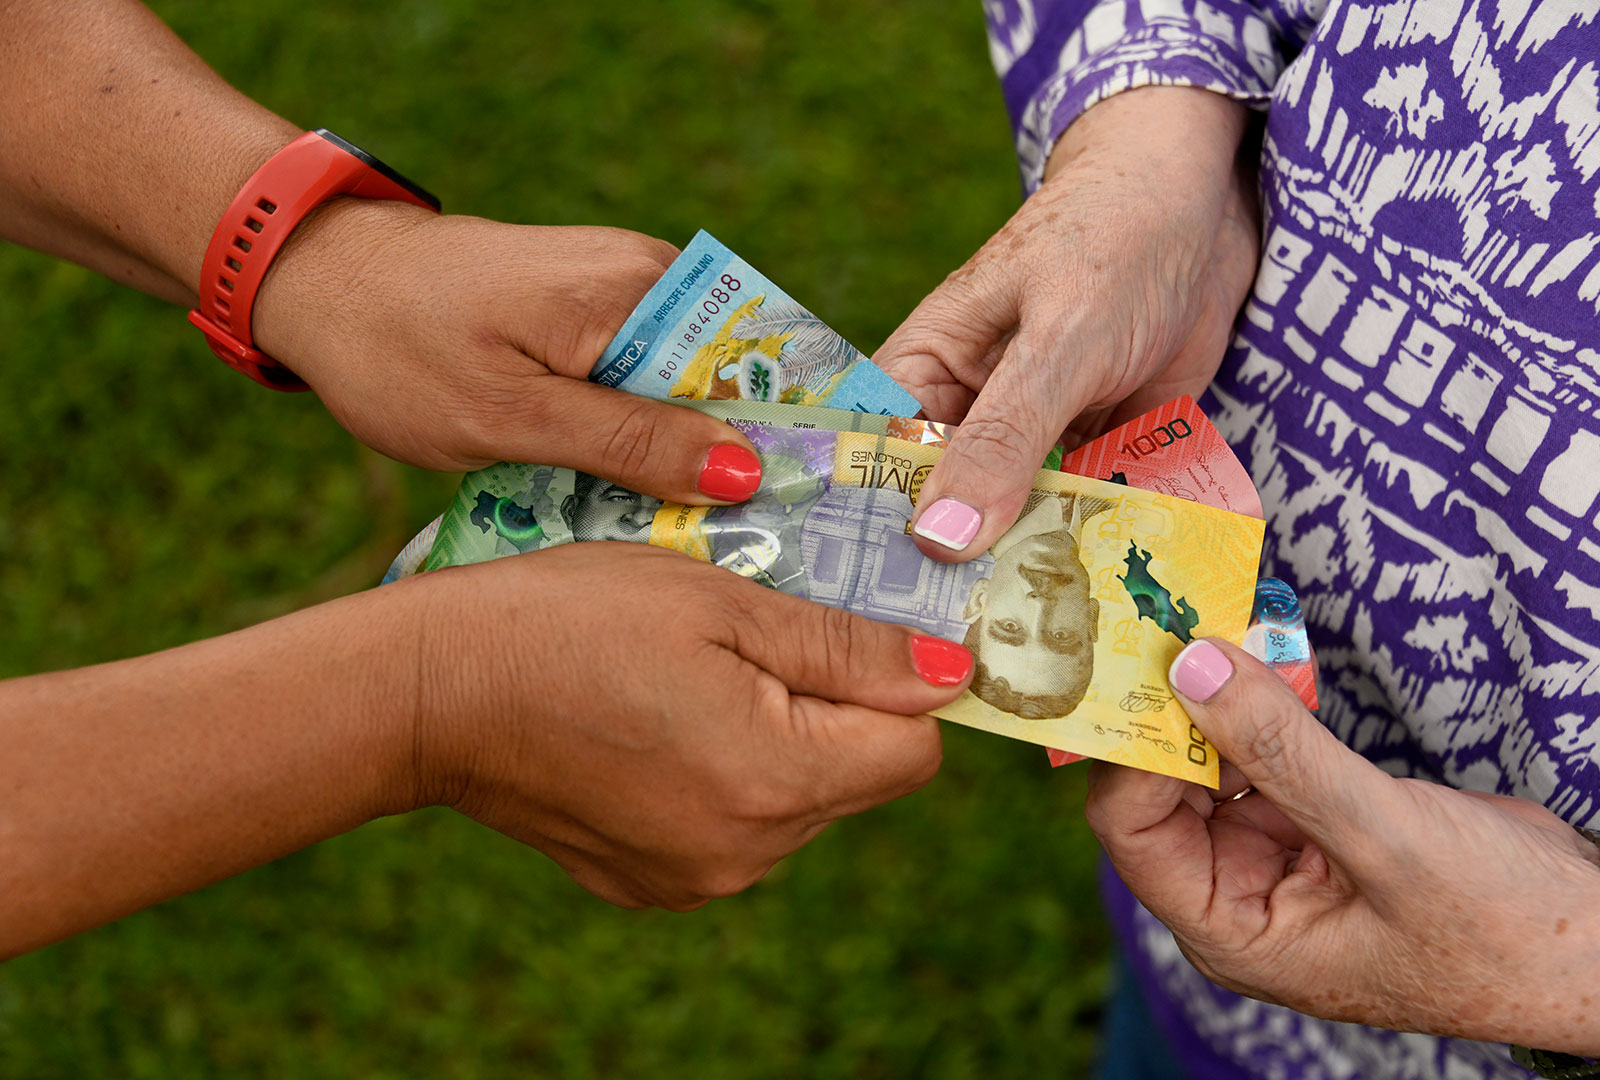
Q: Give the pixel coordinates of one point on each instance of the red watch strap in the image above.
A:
(294, 181)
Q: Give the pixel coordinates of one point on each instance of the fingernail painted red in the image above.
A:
(730, 474)
(940, 662)
(1200, 670)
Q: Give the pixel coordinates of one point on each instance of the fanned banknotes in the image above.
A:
(714, 327)
(1176, 450)
(507, 509)
(1073, 616)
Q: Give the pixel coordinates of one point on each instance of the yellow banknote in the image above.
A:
(1082, 606)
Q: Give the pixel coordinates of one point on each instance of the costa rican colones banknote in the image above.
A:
(1173, 449)
(505, 509)
(715, 327)
(1074, 616)
(1276, 636)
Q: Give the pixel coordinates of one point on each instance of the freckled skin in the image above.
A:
(1112, 289)
(1342, 892)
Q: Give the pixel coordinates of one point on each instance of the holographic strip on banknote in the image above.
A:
(1277, 637)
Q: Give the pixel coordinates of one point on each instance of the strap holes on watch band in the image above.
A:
(233, 264)
(223, 305)
(267, 206)
(242, 244)
(224, 282)
(253, 224)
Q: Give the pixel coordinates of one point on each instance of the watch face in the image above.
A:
(351, 148)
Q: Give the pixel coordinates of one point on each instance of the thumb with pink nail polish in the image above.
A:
(1200, 670)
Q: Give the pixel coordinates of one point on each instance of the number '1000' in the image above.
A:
(1159, 439)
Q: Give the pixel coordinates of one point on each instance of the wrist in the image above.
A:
(1176, 135)
(452, 616)
(221, 151)
(320, 288)
(1561, 974)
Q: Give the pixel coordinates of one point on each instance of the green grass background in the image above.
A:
(856, 153)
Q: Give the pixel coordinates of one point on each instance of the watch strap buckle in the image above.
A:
(245, 359)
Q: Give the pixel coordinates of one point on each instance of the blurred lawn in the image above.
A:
(856, 153)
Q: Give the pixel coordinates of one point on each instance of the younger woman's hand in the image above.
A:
(1337, 890)
(453, 342)
(664, 730)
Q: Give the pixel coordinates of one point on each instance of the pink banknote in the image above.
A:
(1172, 450)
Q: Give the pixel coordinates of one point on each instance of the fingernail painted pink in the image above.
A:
(1200, 670)
(949, 522)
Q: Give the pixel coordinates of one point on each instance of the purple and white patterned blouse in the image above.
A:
(1415, 387)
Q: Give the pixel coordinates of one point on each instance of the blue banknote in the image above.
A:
(715, 328)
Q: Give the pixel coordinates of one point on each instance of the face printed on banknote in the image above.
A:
(1032, 625)
(601, 510)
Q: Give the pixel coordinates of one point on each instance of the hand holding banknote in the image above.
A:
(452, 342)
(666, 744)
(1112, 290)
(1319, 882)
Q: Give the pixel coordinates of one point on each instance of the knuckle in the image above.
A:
(1265, 750)
(761, 804)
(682, 905)
(728, 880)
(630, 451)
(1099, 814)
(843, 642)
(928, 758)
(638, 255)
(1001, 440)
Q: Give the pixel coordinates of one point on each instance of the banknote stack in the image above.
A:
(1137, 544)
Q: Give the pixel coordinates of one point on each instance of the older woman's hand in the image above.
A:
(1332, 888)
(1113, 289)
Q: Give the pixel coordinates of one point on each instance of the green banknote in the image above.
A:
(1073, 616)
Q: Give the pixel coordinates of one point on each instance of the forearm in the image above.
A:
(127, 783)
(120, 148)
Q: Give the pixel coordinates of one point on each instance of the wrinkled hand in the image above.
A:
(454, 342)
(664, 730)
(1345, 893)
(1112, 290)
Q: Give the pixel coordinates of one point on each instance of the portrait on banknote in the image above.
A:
(1032, 624)
(600, 510)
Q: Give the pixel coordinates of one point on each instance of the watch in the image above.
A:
(305, 174)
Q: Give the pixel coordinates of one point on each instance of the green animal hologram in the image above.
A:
(1153, 600)
(516, 523)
